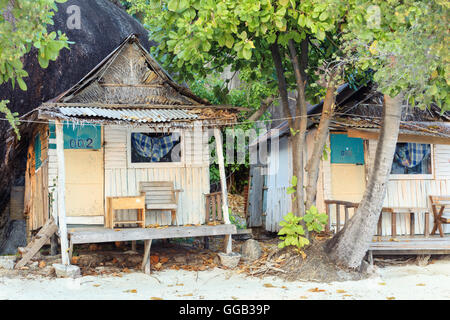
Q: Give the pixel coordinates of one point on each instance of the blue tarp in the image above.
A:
(154, 148)
(410, 155)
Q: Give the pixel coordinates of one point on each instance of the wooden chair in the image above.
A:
(124, 203)
(442, 216)
(160, 195)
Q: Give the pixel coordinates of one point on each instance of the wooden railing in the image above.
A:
(392, 211)
(213, 206)
(346, 204)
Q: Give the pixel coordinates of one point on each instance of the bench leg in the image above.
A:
(427, 224)
(146, 259)
(412, 225)
(441, 230)
(174, 217)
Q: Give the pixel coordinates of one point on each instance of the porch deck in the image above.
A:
(82, 235)
(404, 245)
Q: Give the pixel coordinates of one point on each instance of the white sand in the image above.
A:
(399, 282)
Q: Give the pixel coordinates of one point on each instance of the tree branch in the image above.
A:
(301, 111)
(265, 104)
(282, 86)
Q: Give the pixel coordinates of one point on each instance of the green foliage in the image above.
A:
(11, 117)
(198, 37)
(326, 152)
(314, 220)
(23, 26)
(396, 42)
(215, 90)
(293, 187)
(292, 233)
(234, 219)
(407, 49)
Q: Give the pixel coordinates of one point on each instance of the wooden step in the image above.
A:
(34, 246)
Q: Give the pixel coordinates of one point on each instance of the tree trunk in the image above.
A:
(349, 246)
(320, 138)
(297, 146)
(300, 124)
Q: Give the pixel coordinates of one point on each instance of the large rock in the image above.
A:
(14, 237)
(70, 271)
(251, 250)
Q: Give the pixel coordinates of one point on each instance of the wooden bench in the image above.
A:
(439, 217)
(160, 195)
(124, 203)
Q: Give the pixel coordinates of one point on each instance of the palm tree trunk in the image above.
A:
(297, 140)
(349, 246)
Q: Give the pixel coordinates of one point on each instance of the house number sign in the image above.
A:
(85, 136)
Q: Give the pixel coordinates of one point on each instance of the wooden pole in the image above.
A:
(61, 190)
(223, 182)
(146, 259)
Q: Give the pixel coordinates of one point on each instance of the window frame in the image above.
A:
(429, 176)
(145, 165)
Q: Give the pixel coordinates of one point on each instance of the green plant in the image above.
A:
(314, 220)
(293, 233)
(234, 220)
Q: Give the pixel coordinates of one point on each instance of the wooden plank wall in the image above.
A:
(192, 177)
(279, 203)
(255, 206)
(36, 200)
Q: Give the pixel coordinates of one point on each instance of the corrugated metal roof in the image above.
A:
(134, 115)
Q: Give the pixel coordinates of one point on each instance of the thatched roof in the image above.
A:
(129, 86)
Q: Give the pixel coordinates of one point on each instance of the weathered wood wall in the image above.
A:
(279, 203)
(36, 200)
(192, 176)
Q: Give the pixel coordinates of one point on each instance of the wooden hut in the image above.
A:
(95, 150)
(344, 173)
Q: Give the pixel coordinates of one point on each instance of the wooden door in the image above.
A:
(84, 182)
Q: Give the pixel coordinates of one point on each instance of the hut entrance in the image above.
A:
(84, 183)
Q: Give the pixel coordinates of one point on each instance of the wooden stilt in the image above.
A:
(61, 188)
(206, 242)
(223, 182)
(146, 259)
(227, 244)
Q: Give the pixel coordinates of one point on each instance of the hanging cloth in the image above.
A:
(410, 155)
(154, 148)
